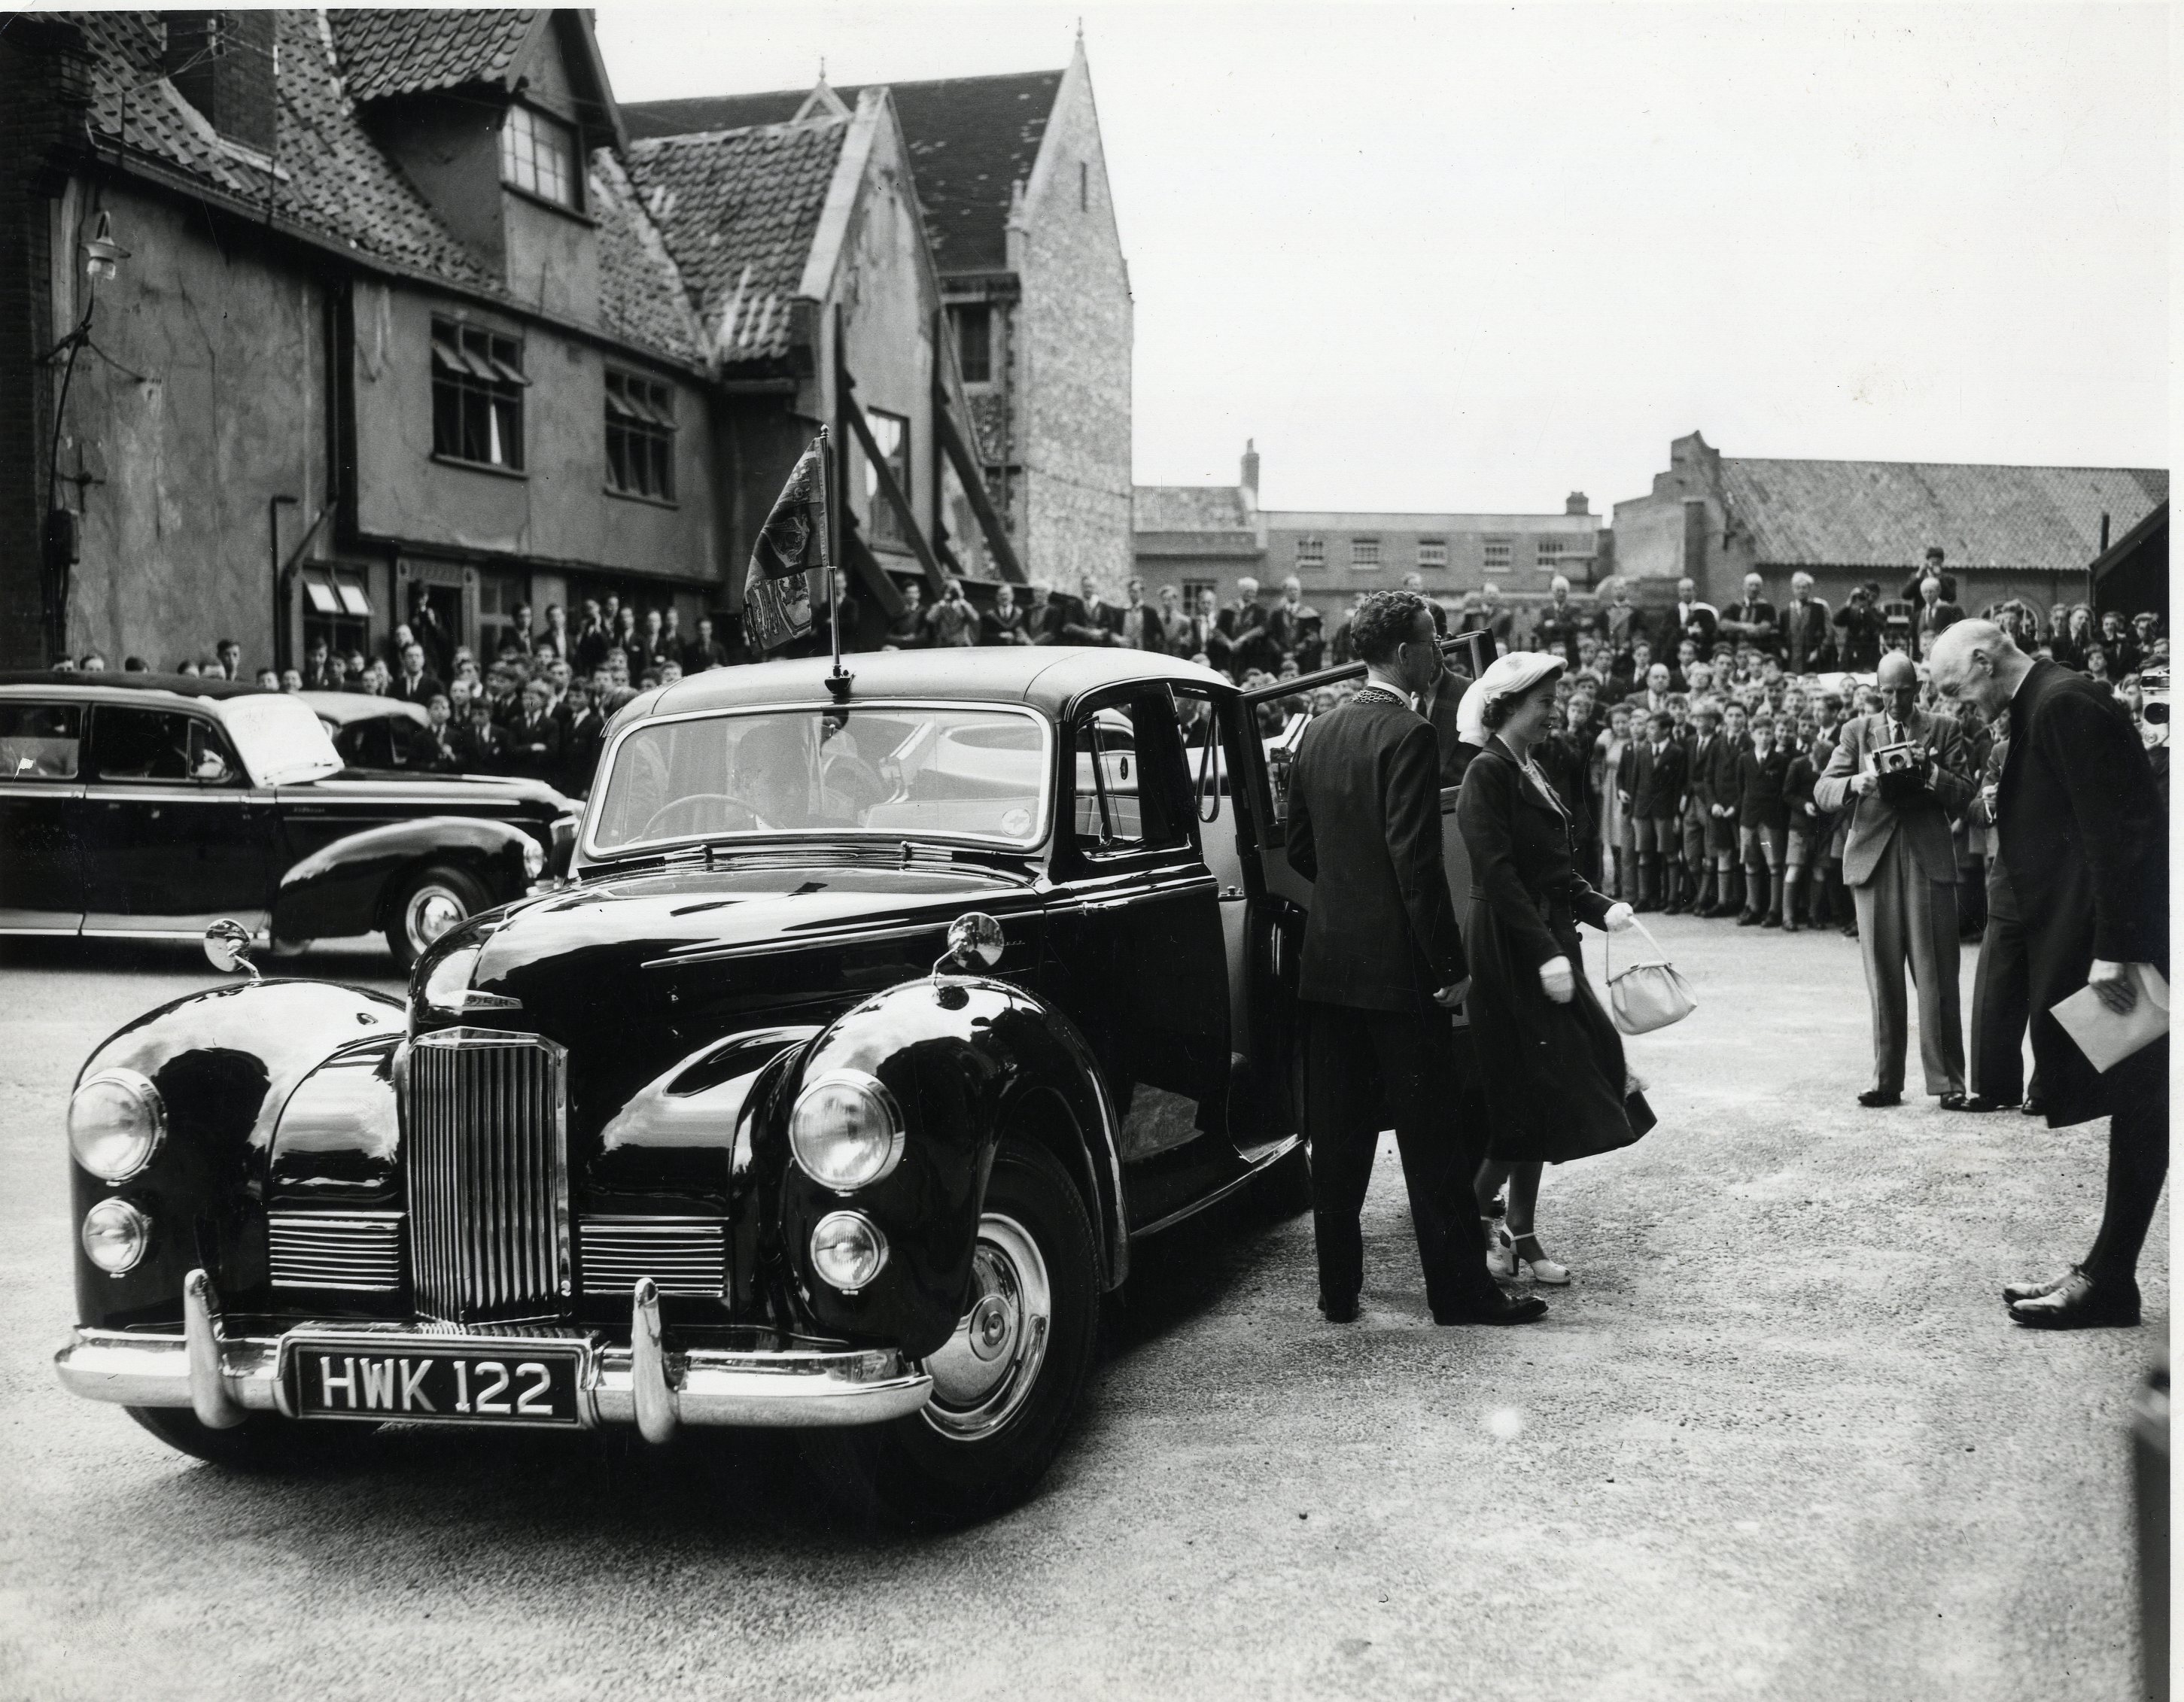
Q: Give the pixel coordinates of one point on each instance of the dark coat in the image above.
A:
(1553, 1073)
(1364, 802)
(1441, 712)
(2085, 840)
(1762, 789)
(1858, 628)
(1751, 623)
(1656, 784)
(1804, 650)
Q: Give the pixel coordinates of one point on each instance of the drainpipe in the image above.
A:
(280, 642)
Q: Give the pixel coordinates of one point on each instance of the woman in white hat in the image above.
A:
(1549, 1059)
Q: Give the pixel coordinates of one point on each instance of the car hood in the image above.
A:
(421, 790)
(633, 972)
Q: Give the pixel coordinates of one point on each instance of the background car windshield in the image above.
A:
(280, 740)
(973, 774)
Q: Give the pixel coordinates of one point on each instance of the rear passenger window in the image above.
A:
(40, 741)
(131, 744)
(1123, 799)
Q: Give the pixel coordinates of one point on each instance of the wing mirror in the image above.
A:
(228, 947)
(974, 943)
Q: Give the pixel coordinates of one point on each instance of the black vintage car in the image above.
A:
(141, 806)
(832, 1092)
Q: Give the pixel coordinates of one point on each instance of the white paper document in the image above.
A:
(2106, 1038)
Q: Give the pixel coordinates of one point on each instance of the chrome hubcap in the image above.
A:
(432, 911)
(988, 1367)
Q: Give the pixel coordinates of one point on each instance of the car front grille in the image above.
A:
(358, 1252)
(486, 1152)
(684, 1256)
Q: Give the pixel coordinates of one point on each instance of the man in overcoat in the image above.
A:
(1900, 862)
(2085, 847)
(1383, 966)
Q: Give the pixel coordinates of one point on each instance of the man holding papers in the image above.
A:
(2084, 842)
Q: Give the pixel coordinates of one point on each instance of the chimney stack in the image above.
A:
(1695, 542)
(221, 63)
(1577, 504)
(1250, 481)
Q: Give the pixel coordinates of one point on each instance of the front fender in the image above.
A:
(225, 1062)
(969, 1061)
(340, 889)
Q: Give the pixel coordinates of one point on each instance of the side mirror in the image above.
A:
(228, 947)
(974, 943)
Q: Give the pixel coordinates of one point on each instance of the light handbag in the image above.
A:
(1646, 996)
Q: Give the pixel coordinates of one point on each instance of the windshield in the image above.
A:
(904, 770)
(279, 739)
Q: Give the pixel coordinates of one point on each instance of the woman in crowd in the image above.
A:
(1550, 1060)
(1615, 819)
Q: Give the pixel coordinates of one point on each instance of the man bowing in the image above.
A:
(2085, 847)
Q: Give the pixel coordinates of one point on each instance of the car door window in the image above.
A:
(40, 741)
(1122, 801)
(159, 745)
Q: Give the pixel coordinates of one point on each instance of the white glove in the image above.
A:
(1556, 977)
(1618, 917)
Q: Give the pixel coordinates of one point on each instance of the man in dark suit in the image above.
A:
(1859, 627)
(1901, 863)
(1753, 621)
(1383, 966)
(2085, 842)
(1652, 776)
(1803, 627)
(1692, 620)
(415, 685)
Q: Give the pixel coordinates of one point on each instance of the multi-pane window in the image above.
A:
(1497, 554)
(1312, 552)
(477, 395)
(891, 433)
(498, 595)
(640, 436)
(1192, 588)
(974, 342)
(1547, 552)
(1364, 552)
(337, 609)
(539, 155)
(1433, 551)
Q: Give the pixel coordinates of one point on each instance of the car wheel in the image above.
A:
(427, 905)
(261, 1442)
(1007, 1383)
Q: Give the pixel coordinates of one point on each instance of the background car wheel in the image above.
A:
(429, 903)
(1007, 1382)
(261, 1442)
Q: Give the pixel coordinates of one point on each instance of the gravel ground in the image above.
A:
(1777, 1440)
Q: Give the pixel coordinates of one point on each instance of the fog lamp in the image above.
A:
(114, 1235)
(846, 1132)
(848, 1251)
(115, 1122)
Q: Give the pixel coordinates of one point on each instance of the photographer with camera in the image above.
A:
(1904, 775)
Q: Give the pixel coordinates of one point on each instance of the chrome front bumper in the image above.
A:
(224, 1378)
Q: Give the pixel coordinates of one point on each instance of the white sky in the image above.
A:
(1473, 258)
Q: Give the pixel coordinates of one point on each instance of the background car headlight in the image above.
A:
(114, 1235)
(848, 1251)
(115, 1123)
(534, 860)
(846, 1131)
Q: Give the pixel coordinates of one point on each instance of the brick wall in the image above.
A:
(1073, 358)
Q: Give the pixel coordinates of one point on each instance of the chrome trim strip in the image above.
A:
(1273, 1157)
(797, 942)
(792, 1387)
(590, 853)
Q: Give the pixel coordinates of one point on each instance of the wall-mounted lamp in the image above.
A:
(103, 254)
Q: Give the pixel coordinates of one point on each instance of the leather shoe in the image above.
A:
(1496, 1308)
(1980, 1102)
(2081, 1302)
(1339, 1311)
(2012, 1293)
(1873, 1099)
(1955, 1102)
(2034, 1108)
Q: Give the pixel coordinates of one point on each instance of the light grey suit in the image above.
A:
(1900, 864)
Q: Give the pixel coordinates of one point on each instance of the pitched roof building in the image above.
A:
(2005, 531)
(1010, 172)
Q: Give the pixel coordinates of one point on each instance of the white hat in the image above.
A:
(1507, 677)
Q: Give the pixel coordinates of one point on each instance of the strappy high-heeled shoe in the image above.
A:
(1524, 1250)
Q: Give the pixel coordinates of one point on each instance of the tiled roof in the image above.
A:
(399, 52)
(1190, 508)
(641, 295)
(738, 211)
(1884, 514)
(971, 140)
(329, 174)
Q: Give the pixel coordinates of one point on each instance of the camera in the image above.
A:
(1903, 771)
(1896, 759)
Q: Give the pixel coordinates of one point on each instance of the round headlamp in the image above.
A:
(848, 1251)
(846, 1132)
(534, 858)
(115, 1235)
(449, 979)
(115, 1123)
